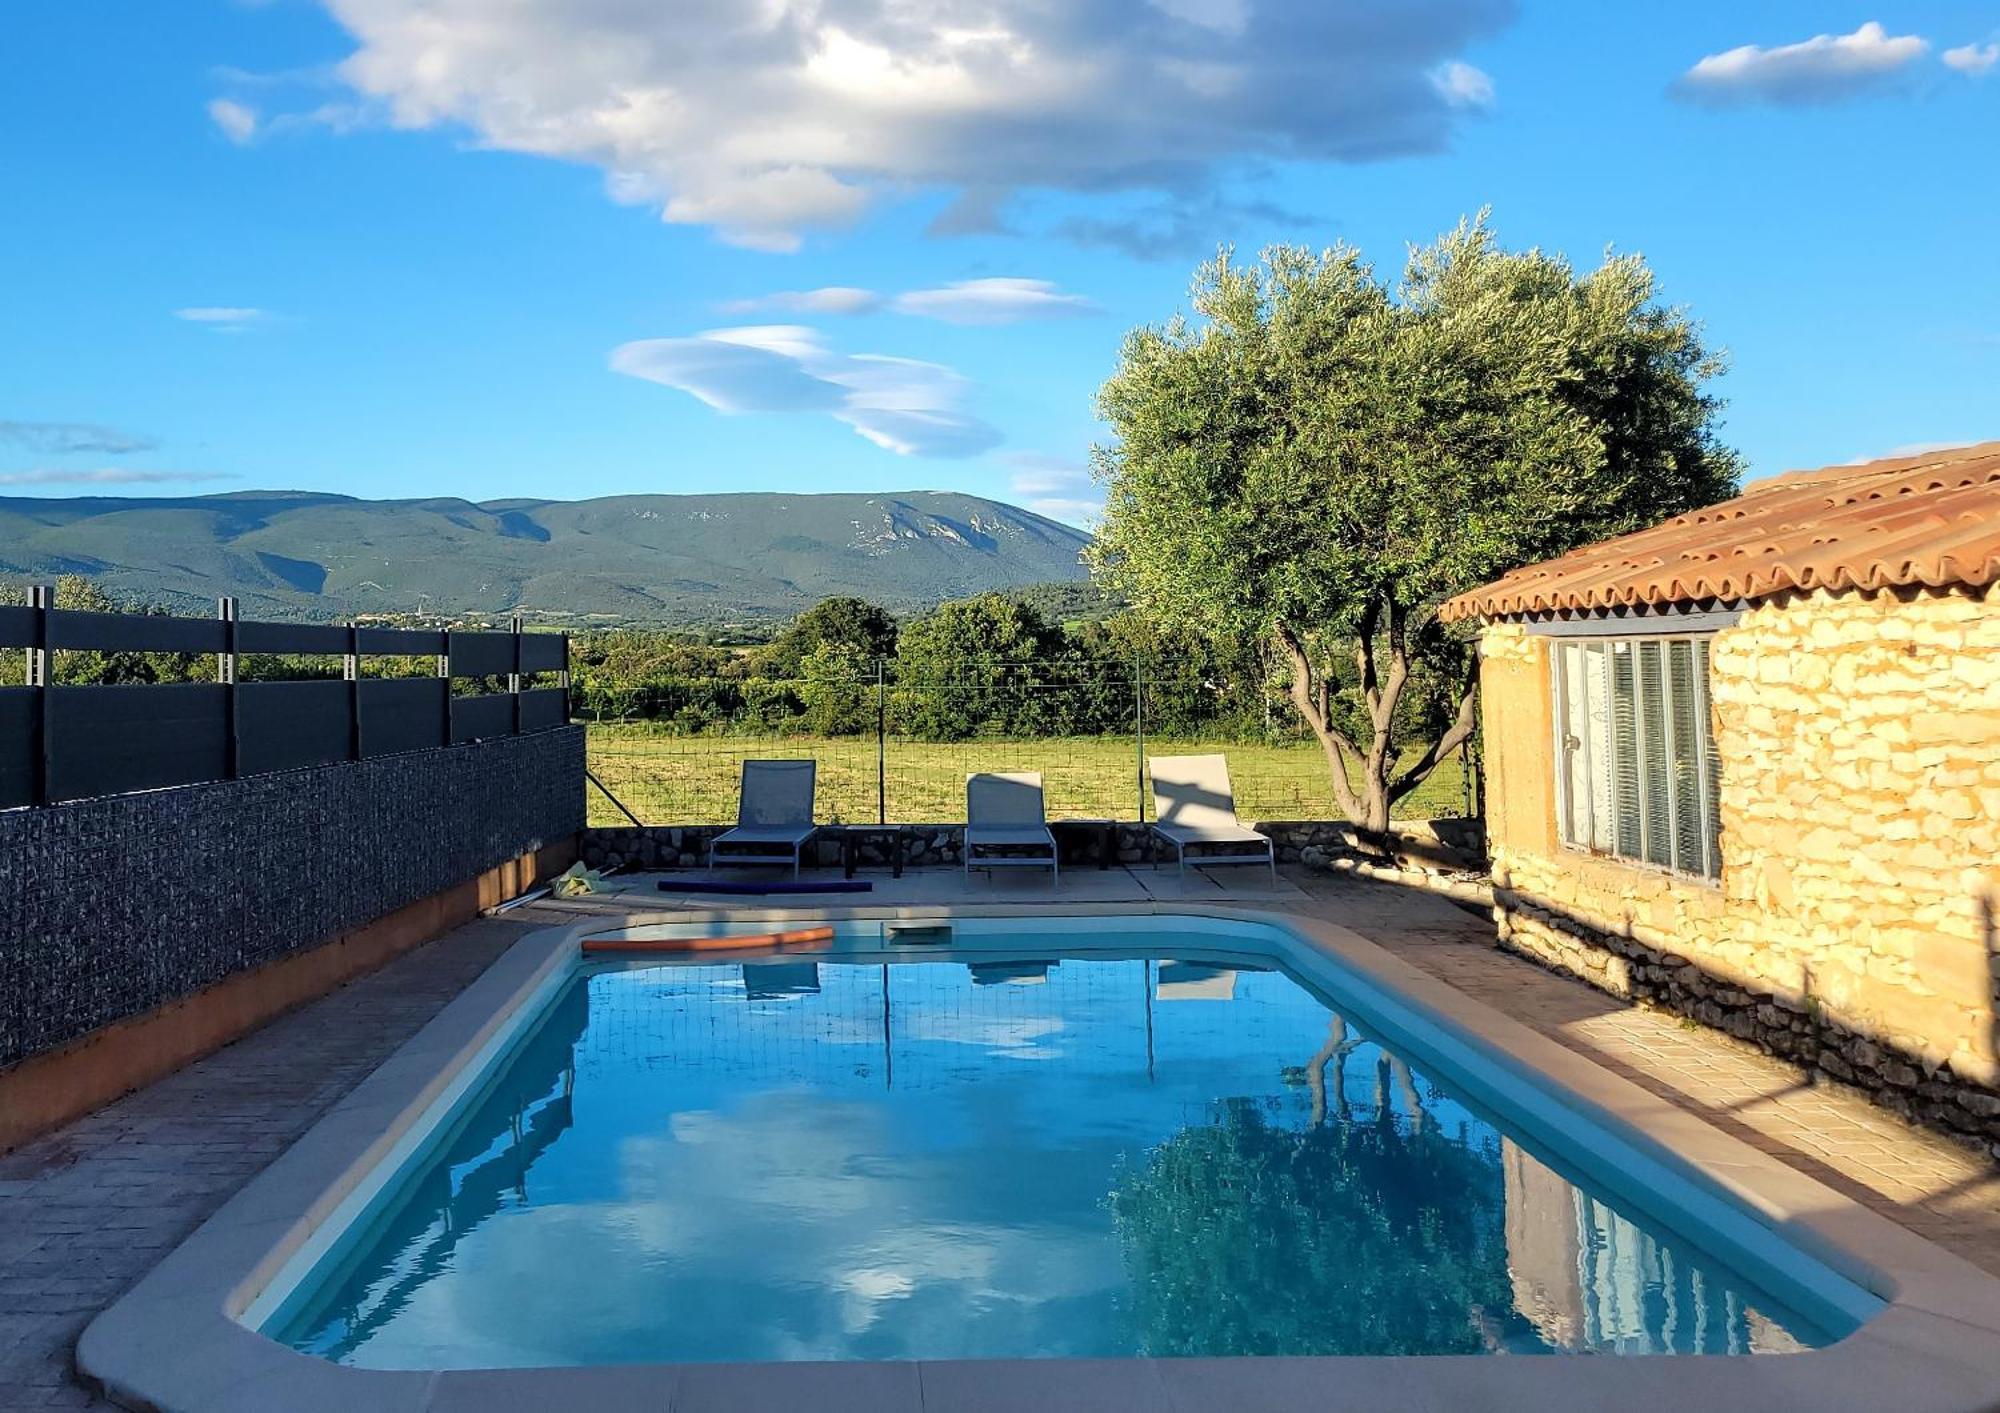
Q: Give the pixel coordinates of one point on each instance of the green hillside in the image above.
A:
(635, 559)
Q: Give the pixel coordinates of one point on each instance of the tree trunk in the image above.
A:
(1368, 804)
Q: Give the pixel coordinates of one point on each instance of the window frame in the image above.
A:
(1597, 650)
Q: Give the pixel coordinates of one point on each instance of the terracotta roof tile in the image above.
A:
(1931, 519)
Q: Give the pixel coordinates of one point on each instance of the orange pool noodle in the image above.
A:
(710, 944)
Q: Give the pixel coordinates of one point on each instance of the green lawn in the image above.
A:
(668, 779)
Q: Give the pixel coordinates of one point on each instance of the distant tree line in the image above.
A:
(988, 665)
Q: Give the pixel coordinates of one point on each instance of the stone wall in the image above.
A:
(1853, 926)
(110, 908)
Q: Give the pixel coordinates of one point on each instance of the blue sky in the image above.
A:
(569, 247)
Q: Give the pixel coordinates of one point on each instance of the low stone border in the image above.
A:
(1631, 970)
(174, 1340)
(1447, 847)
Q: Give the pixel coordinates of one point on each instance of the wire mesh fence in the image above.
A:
(899, 750)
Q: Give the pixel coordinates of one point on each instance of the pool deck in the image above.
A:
(86, 1211)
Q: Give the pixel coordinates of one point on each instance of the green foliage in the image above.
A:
(844, 624)
(990, 665)
(987, 652)
(836, 691)
(1069, 604)
(1320, 460)
(1245, 1237)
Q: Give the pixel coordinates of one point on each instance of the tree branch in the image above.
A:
(1455, 735)
(1340, 752)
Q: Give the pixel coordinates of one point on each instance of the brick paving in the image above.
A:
(87, 1210)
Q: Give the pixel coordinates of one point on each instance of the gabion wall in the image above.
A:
(112, 907)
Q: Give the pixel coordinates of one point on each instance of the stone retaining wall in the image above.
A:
(1436, 846)
(1853, 926)
(111, 908)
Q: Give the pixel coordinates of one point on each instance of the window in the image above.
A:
(1636, 770)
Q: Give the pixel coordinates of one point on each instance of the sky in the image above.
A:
(562, 248)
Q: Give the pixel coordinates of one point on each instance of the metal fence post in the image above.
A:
(444, 671)
(350, 671)
(881, 744)
(1139, 726)
(514, 677)
(42, 598)
(225, 676)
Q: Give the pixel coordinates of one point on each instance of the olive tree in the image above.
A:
(1320, 458)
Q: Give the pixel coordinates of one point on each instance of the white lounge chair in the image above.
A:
(1004, 820)
(774, 815)
(1193, 807)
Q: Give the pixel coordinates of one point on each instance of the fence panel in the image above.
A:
(20, 743)
(402, 714)
(478, 718)
(17, 625)
(544, 652)
(96, 718)
(308, 638)
(112, 740)
(290, 725)
(480, 654)
(543, 708)
(134, 632)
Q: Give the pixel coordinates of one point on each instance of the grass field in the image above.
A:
(669, 779)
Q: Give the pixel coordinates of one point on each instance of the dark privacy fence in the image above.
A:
(79, 742)
(114, 906)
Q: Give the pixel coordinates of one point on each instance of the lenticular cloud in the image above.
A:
(903, 405)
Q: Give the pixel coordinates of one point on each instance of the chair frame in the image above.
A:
(1026, 778)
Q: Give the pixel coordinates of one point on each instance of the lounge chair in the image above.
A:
(1005, 822)
(1193, 807)
(774, 815)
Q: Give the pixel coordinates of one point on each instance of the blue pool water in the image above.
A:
(1027, 1155)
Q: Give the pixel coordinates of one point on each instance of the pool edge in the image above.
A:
(174, 1340)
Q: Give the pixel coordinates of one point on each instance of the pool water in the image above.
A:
(1032, 1155)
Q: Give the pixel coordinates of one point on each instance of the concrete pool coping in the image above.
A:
(175, 1342)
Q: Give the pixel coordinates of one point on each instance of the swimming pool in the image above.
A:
(1170, 1157)
(1035, 1147)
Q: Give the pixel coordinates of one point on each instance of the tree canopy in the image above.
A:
(1320, 459)
(1245, 1236)
(849, 628)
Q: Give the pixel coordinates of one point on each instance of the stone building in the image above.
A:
(1746, 765)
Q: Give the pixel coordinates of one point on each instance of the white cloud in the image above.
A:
(1823, 69)
(992, 301)
(68, 438)
(766, 121)
(832, 299)
(1462, 85)
(905, 406)
(986, 301)
(105, 476)
(224, 319)
(1049, 485)
(237, 121)
(1973, 59)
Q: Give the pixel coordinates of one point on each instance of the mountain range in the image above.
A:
(656, 559)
